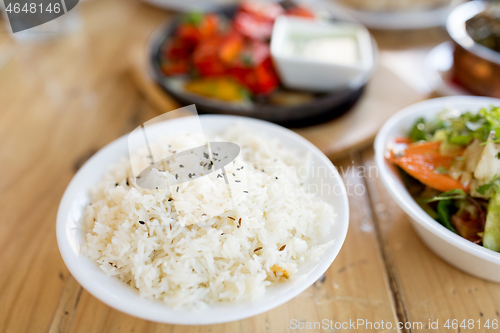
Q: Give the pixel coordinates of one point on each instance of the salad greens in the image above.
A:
(491, 239)
(451, 167)
(486, 187)
(458, 129)
(445, 210)
(447, 206)
(450, 195)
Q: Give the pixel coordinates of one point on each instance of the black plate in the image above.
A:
(323, 107)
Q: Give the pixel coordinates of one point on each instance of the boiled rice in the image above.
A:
(137, 235)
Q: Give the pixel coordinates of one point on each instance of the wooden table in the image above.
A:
(62, 100)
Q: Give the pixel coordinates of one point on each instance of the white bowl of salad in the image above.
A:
(440, 161)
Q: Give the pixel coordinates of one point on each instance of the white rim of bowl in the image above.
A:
(115, 302)
(412, 208)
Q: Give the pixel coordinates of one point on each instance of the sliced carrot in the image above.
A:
(421, 160)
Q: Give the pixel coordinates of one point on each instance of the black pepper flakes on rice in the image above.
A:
(181, 166)
(177, 189)
(142, 222)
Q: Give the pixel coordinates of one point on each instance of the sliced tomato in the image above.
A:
(267, 79)
(197, 27)
(261, 80)
(175, 67)
(223, 88)
(254, 69)
(262, 10)
(231, 47)
(206, 59)
(300, 11)
(251, 27)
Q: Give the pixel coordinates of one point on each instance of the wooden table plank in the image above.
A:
(70, 114)
(430, 289)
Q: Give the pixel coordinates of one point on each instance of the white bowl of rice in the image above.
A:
(125, 245)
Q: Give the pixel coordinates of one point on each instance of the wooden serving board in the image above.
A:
(354, 130)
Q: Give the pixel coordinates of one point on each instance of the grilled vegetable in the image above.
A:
(221, 88)
(491, 238)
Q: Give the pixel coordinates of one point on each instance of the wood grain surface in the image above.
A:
(64, 99)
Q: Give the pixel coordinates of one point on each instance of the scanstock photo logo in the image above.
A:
(157, 165)
(27, 14)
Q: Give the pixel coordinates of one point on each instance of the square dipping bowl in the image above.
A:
(321, 55)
